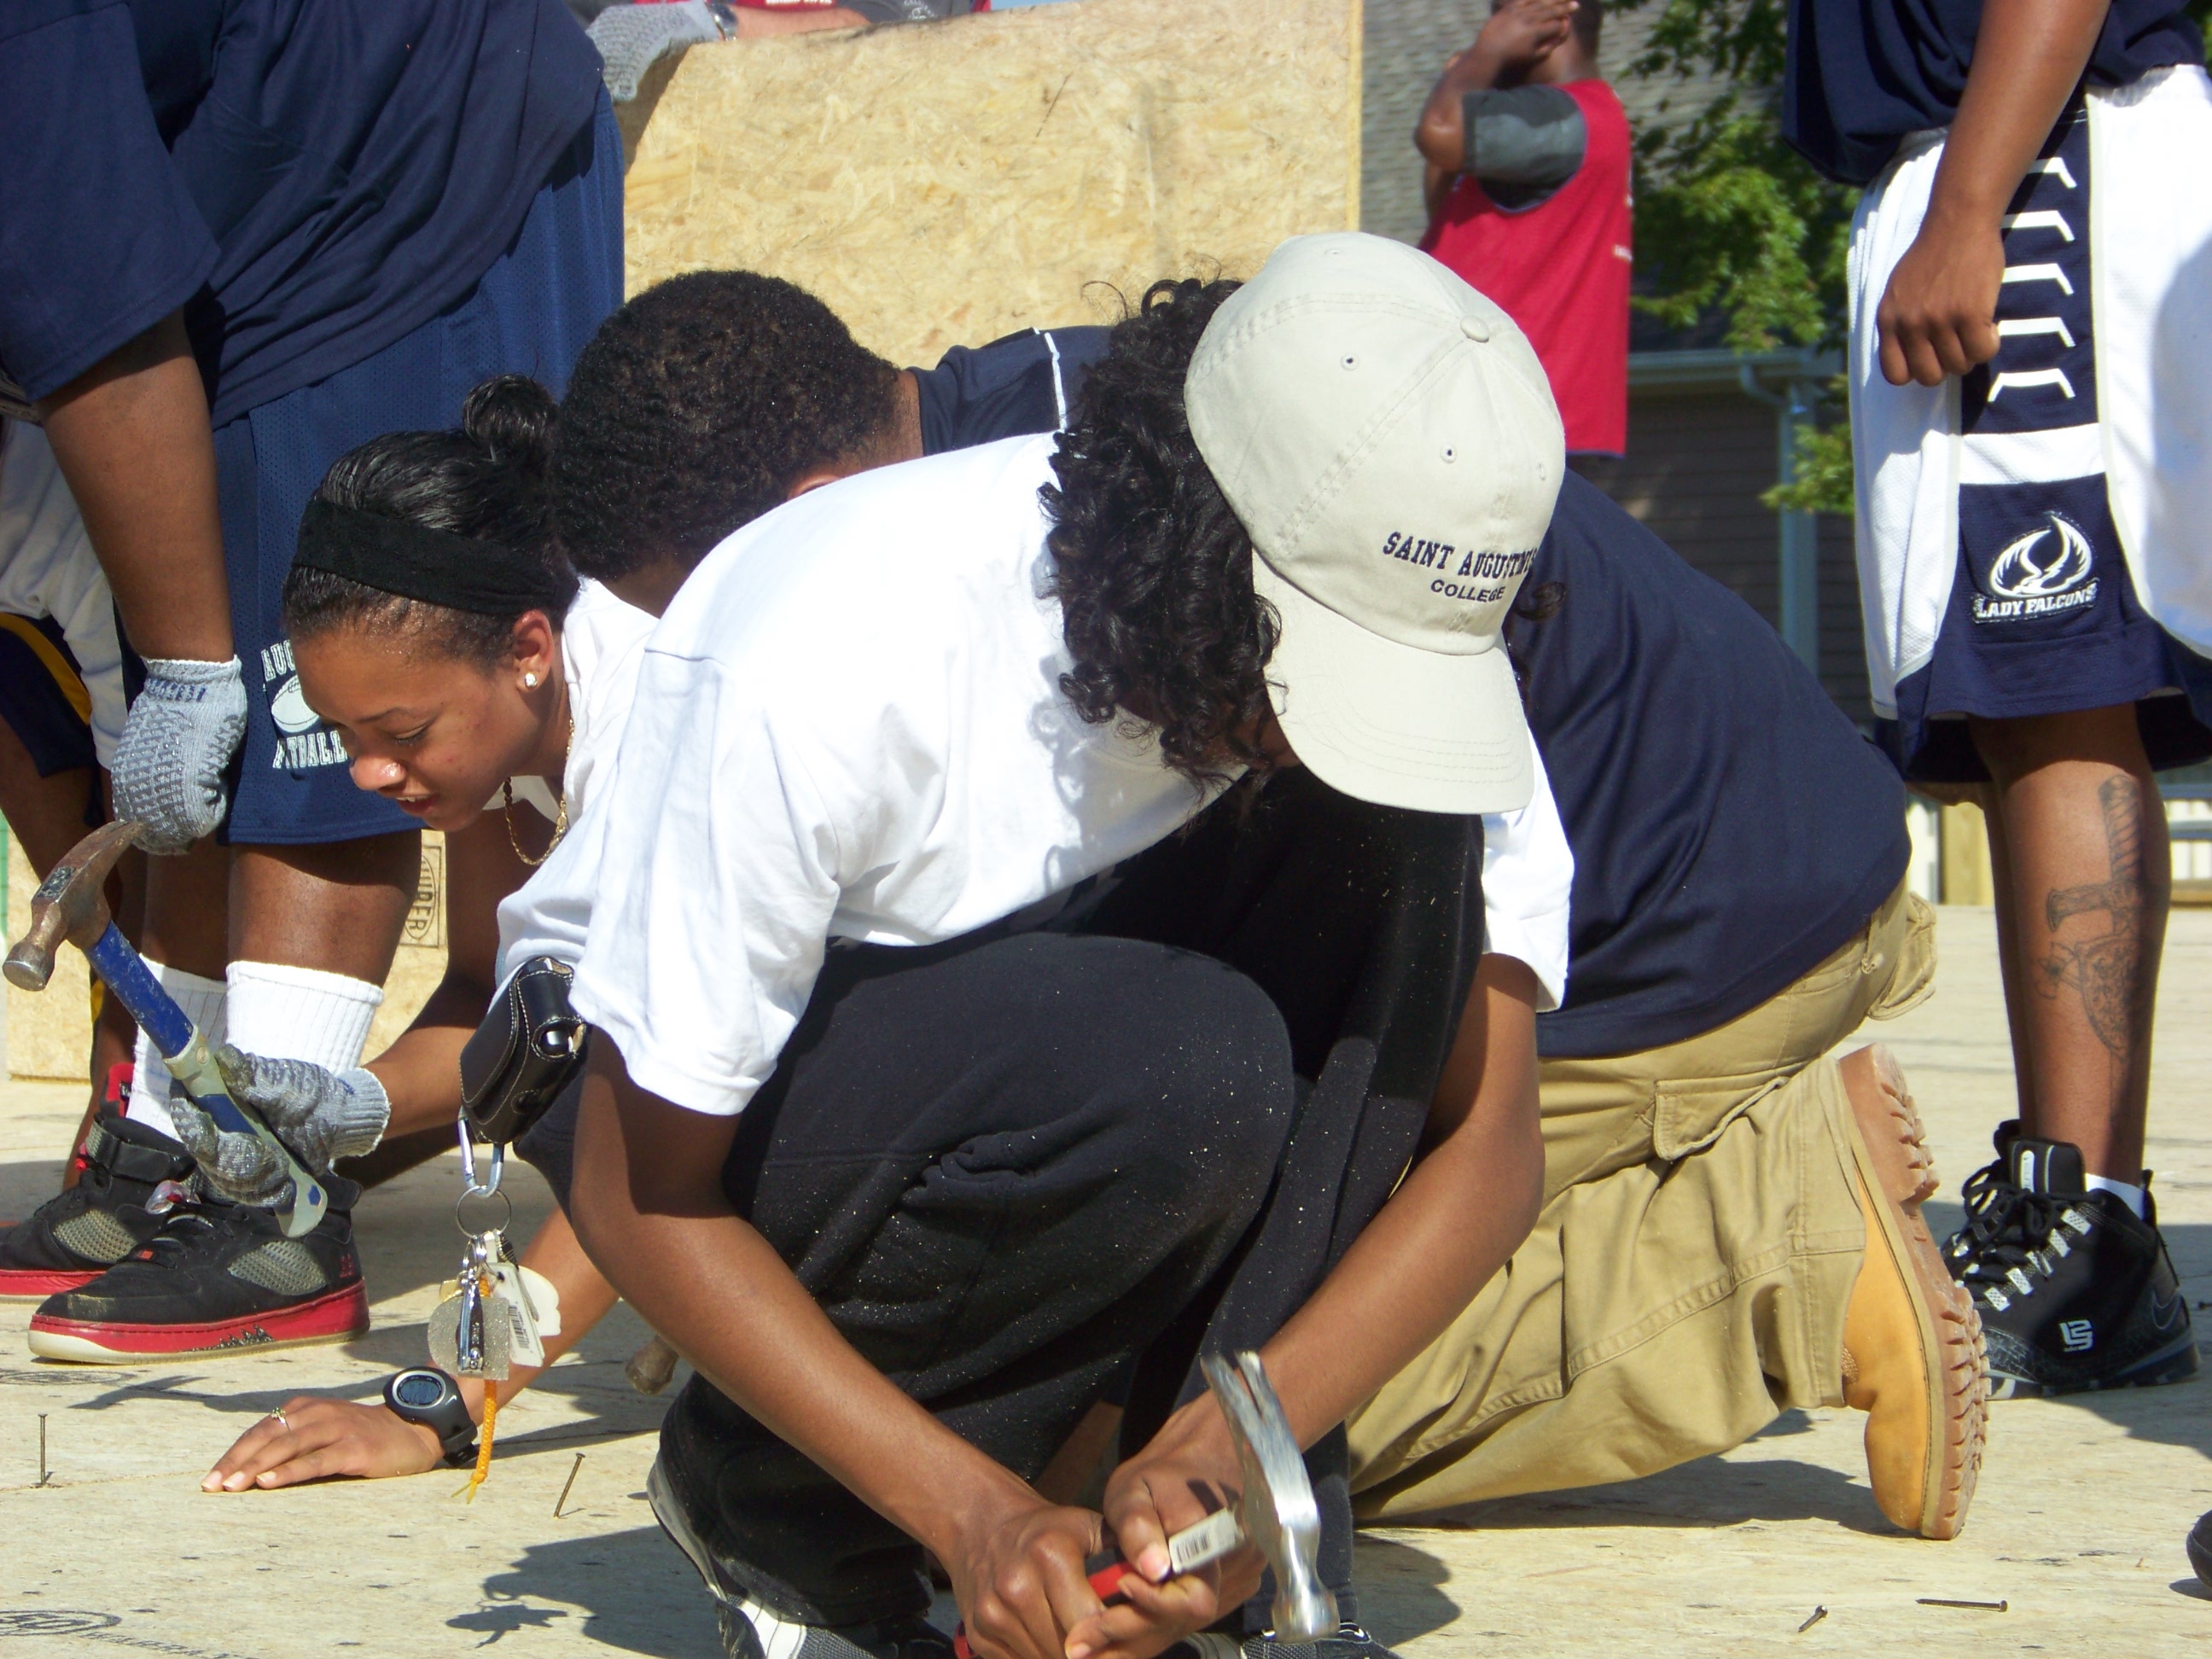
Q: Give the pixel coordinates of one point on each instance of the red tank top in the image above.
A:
(1560, 269)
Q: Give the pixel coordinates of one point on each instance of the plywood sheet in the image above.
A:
(945, 184)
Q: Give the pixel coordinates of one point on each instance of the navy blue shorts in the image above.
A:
(530, 314)
(2043, 617)
(2092, 646)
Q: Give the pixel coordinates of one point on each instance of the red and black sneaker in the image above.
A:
(79, 1234)
(217, 1278)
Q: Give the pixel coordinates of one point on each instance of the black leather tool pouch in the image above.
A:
(530, 1047)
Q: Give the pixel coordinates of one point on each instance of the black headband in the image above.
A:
(459, 572)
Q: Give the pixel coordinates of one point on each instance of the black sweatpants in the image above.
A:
(1007, 1168)
(1003, 1167)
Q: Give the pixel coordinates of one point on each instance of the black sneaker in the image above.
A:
(2074, 1290)
(750, 1631)
(1351, 1641)
(217, 1277)
(79, 1234)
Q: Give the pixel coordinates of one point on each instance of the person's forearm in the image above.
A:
(421, 1072)
(585, 1297)
(656, 1224)
(2028, 58)
(131, 437)
(1435, 185)
(1440, 135)
(1453, 1222)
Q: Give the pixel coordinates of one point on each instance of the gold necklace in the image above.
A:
(560, 817)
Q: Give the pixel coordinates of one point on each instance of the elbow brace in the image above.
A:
(1523, 144)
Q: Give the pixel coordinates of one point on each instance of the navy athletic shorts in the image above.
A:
(2098, 654)
(530, 314)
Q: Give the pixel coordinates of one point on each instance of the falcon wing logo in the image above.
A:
(2046, 562)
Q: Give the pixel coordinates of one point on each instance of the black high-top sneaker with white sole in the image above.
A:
(80, 1232)
(2075, 1291)
(1351, 1641)
(217, 1277)
(750, 1631)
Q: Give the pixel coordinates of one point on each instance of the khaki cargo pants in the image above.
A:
(1687, 1279)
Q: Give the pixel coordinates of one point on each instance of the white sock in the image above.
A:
(202, 1000)
(300, 1013)
(2131, 1196)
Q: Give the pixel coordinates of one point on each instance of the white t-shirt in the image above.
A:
(47, 570)
(850, 726)
(601, 639)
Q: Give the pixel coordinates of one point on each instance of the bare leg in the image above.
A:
(2010, 958)
(337, 908)
(187, 910)
(2088, 879)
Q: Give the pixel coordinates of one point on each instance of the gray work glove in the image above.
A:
(632, 39)
(321, 1116)
(182, 729)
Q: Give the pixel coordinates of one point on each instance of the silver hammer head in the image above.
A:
(1276, 1510)
(71, 904)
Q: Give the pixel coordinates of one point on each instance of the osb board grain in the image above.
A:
(947, 182)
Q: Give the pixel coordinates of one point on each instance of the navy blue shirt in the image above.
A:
(311, 179)
(1023, 383)
(1730, 828)
(1861, 73)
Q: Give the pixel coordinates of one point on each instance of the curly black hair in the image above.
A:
(485, 480)
(696, 406)
(1153, 571)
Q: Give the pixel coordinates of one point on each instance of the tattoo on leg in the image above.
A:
(2106, 968)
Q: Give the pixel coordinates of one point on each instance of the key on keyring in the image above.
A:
(472, 1332)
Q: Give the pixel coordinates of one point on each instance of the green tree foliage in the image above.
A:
(1824, 483)
(1729, 220)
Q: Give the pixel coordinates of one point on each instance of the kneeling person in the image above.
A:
(911, 1170)
(1739, 910)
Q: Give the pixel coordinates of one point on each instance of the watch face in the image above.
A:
(421, 1390)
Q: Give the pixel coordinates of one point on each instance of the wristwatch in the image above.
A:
(427, 1396)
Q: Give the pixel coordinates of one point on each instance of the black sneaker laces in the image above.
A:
(1988, 1196)
(2016, 1239)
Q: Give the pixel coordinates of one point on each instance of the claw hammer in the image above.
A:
(1275, 1513)
(70, 905)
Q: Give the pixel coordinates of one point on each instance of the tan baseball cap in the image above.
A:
(1388, 440)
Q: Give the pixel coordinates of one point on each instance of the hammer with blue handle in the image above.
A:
(71, 905)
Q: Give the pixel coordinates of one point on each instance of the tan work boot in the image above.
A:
(1913, 1344)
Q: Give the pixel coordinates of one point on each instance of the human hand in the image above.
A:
(1187, 1472)
(1937, 316)
(632, 39)
(313, 1439)
(1023, 1593)
(321, 1116)
(184, 726)
(1521, 33)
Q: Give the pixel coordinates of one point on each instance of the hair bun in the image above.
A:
(512, 417)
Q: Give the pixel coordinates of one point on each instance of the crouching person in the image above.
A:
(1731, 1220)
(890, 1131)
